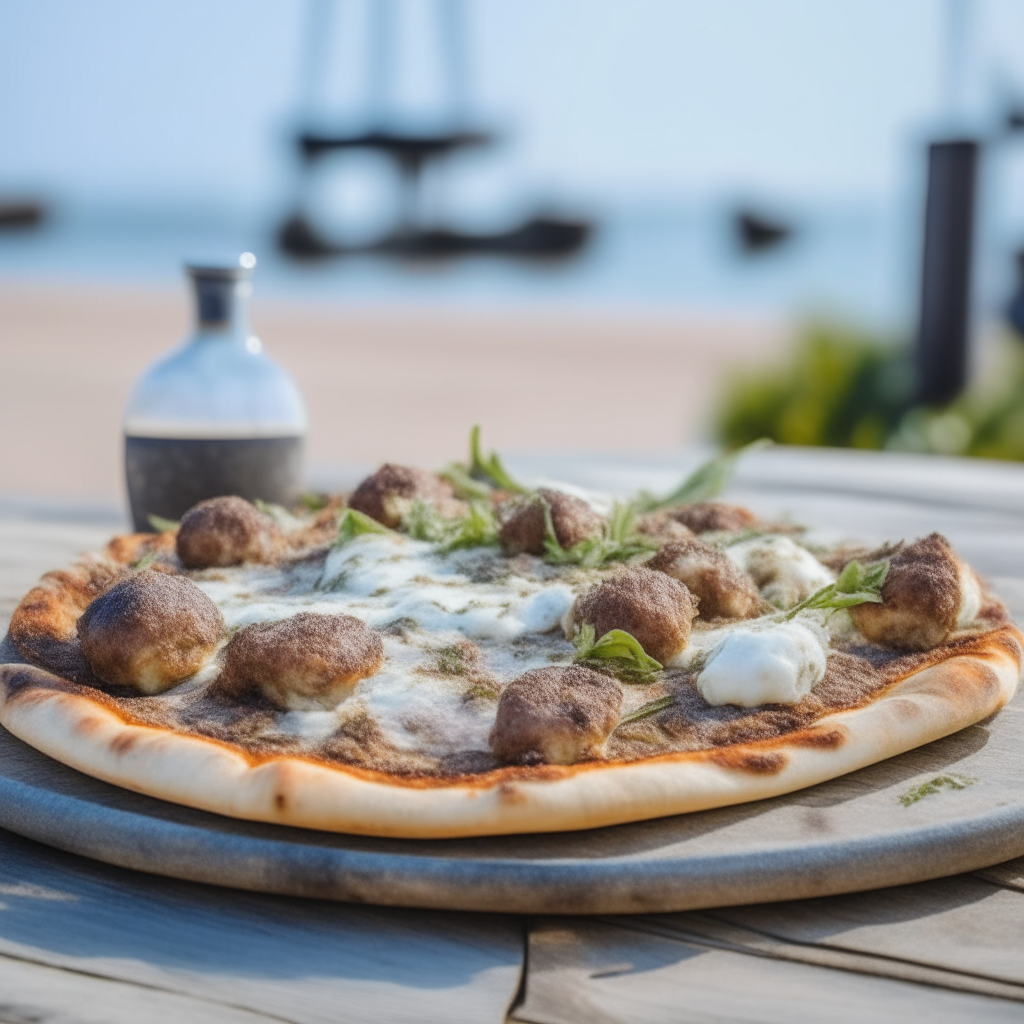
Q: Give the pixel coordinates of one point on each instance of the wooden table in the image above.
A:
(84, 942)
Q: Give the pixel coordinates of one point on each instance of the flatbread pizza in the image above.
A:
(456, 654)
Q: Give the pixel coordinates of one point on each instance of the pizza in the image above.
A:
(456, 654)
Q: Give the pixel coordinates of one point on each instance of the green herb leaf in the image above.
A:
(490, 470)
(857, 584)
(618, 651)
(477, 528)
(465, 486)
(932, 786)
(146, 560)
(162, 525)
(652, 707)
(353, 524)
(707, 481)
(285, 519)
(424, 522)
(313, 502)
(617, 543)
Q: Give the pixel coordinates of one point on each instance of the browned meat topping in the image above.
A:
(227, 531)
(555, 715)
(651, 606)
(723, 590)
(523, 530)
(713, 515)
(388, 494)
(920, 597)
(149, 631)
(305, 662)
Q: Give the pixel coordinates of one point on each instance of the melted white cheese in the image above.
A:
(785, 572)
(772, 664)
(970, 597)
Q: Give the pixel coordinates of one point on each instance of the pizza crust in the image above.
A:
(70, 724)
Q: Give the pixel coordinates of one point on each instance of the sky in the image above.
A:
(171, 103)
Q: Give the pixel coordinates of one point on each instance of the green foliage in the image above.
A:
(477, 528)
(146, 560)
(933, 786)
(705, 482)
(857, 584)
(617, 651)
(617, 542)
(161, 525)
(652, 707)
(354, 524)
(312, 502)
(839, 388)
(482, 475)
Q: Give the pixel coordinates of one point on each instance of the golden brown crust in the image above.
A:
(388, 494)
(523, 528)
(227, 531)
(722, 589)
(704, 516)
(653, 607)
(920, 597)
(303, 662)
(149, 631)
(557, 715)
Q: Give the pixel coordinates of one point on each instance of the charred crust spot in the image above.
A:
(280, 801)
(306, 661)
(123, 742)
(652, 606)
(523, 527)
(557, 715)
(756, 762)
(722, 589)
(227, 531)
(818, 739)
(388, 494)
(920, 597)
(149, 631)
(704, 516)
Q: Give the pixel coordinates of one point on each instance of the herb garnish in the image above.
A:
(352, 524)
(617, 543)
(482, 475)
(932, 786)
(146, 560)
(706, 481)
(477, 528)
(162, 525)
(652, 707)
(857, 584)
(617, 651)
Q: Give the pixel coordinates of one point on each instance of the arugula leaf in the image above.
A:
(353, 524)
(146, 560)
(162, 525)
(617, 543)
(424, 522)
(857, 584)
(706, 481)
(313, 502)
(618, 651)
(465, 486)
(652, 707)
(492, 469)
(477, 528)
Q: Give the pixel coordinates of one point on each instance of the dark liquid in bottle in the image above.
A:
(167, 476)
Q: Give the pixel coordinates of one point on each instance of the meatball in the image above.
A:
(652, 606)
(559, 715)
(306, 663)
(227, 531)
(388, 494)
(523, 530)
(927, 594)
(723, 591)
(149, 631)
(703, 516)
(662, 527)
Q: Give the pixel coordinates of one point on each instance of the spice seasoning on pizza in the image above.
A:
(419, 664)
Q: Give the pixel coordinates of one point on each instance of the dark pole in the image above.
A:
(946, 271)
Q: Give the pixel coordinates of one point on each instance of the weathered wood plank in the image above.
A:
(290, 959)
(601, 973)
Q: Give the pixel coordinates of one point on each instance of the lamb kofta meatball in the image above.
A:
(149, 631)
(309, 662)
(653, 607)
(388, 494)
(704, 516)
(227, 531)
(928, 593)
(662, 527)
(523, 530)
(723, 590)
(558, 715)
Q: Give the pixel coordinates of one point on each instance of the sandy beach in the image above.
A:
(402, 383)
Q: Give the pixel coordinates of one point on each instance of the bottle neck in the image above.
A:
(222, 305)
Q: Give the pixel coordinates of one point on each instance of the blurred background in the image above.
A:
(590, 225)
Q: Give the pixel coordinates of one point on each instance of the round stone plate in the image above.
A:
(955, 805)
